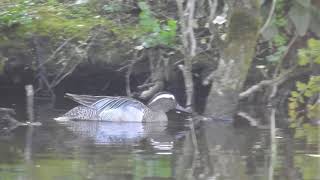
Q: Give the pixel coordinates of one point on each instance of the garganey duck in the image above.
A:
(121, 109)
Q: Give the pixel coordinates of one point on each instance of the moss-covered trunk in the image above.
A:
(235, 60)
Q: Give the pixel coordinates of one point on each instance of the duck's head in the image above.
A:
(165, 101)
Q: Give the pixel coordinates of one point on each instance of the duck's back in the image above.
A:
(107, 108)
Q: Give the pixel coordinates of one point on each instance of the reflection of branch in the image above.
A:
(269, 17)
(194, 137)
(7, 110)
(195, 146)
(273, 144)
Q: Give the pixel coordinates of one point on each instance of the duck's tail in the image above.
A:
(86, 100)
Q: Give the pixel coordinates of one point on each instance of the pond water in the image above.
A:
(133, 151)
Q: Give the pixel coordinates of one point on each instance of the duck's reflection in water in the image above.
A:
(124, 133)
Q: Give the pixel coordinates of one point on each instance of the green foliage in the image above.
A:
(156, 33)
(274, 58)
(308, 133)
(280, 41)
(50, 17)
(16, 13)
(112, 7)
(147, 21)
(300, 15)
(2, 63)
(279, 37)
(299, 108)
(308, 165)
(304, 91)
(309, 55)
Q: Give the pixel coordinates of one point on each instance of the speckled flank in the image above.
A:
(82, 112)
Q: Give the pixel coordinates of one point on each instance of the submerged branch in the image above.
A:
(7, 111)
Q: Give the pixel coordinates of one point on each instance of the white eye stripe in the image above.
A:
(165, 96)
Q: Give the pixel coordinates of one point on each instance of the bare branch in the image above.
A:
(188, 39)
(158, 85)
(145, 85)
(129, 67)
(53, 55)
(157, 74)
(128, 74)
(269, 17)
(292, 41)
(291, 73)
(57, 81)
(215, 73)
(252, 121)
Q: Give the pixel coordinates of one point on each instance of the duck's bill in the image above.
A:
(183, 109)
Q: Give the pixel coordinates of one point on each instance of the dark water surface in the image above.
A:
(133, 151)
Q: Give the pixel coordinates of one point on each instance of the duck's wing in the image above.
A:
(87, 100)
(100, 103)
(111, 103)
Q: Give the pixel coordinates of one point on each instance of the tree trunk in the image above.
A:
(235, 60)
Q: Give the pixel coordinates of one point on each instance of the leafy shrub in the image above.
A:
(156, 33)
(307, 56)
(16, 13)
